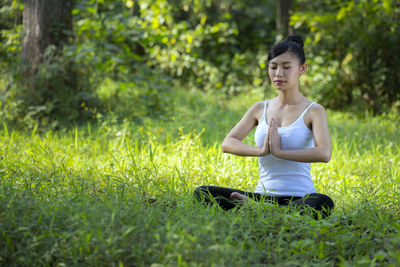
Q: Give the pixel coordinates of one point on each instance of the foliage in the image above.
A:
(86, 196)
(52, 96)
(124, 57)
(140, 46)
(99, 50)
(212, 45)
(111, 36)
(351, 45)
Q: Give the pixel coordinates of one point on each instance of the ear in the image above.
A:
(303, 68)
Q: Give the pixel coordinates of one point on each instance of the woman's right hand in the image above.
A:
(264, 150)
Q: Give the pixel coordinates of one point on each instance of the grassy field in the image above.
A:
(86, 196)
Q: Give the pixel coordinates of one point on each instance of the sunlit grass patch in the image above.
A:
(121, 193)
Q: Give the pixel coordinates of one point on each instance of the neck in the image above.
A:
(290, 97)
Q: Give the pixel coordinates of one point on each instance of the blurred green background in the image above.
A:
(126, 59)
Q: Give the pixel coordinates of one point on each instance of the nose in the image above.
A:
(279, 72)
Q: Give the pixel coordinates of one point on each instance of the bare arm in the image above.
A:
(323, 148)
(233, 141)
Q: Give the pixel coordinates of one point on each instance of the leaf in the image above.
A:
(387, 5)
(347, 59)
(341, 13)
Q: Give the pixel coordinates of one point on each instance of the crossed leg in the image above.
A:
(228, 198)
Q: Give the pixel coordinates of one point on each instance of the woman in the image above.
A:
(292, 132)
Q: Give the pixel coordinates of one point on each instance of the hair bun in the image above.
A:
(295, 39)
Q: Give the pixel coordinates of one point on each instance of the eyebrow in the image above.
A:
(286, 62)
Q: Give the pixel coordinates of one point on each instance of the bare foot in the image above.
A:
(239, 197)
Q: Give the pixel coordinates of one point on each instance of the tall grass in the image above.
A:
(121, 194)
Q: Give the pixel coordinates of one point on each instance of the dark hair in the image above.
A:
(293, 44)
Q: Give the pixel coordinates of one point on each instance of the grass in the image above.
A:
(85, 196)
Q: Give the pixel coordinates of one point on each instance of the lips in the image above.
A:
(279, 82)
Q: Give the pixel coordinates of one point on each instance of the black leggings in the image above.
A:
(222, 196)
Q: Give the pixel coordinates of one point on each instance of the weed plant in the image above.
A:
(120, 193)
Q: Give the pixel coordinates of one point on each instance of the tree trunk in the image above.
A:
(45, 23)
(282, 19)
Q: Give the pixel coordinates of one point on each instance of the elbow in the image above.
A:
(326, 157)
(224, 147)
(324, 154)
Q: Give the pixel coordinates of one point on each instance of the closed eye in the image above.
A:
(273, 67)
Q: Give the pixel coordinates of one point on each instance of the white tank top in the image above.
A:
(280, 177)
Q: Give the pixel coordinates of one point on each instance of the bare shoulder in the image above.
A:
(258, 106)
(249, 120)
(317, 109)
(316, 114)
(257, 110)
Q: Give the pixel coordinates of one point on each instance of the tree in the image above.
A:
(282, 19)
(45, 23)
(49, 81)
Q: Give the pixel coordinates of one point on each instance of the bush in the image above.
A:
(351, 48)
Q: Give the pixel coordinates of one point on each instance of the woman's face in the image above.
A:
(285, 71)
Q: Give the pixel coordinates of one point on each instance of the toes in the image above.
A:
(236, 195)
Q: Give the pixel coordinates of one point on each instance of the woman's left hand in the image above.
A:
(274, 138)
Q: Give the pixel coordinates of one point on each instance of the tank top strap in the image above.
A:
(265, 110)
(304, 112)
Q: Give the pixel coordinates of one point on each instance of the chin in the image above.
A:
(281, 88)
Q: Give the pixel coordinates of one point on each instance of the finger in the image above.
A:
(270, 139)
(269, 134)
(270, 126)
(273, 133)
(273, 125)
(273, 130)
